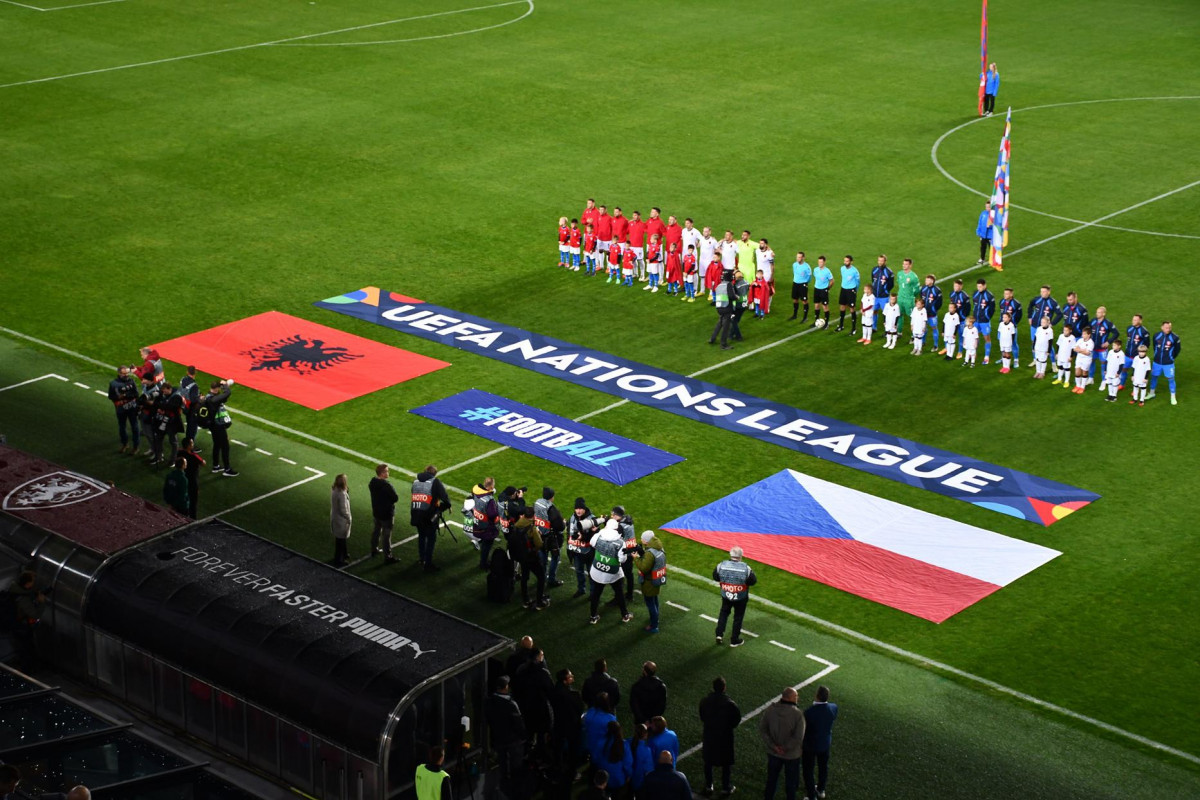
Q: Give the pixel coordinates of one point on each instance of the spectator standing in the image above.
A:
(818, 737)
(566, 738)
(340, 519)
(429, 500)
(383, 509)
(595, 726)
(665, 782)
(123, 392)
(643, 756)
(615, 758)
(600, 682)
(532, 688)
(991, 87)
(652, 575)
(507, 730)
(735, 577)
(782, 730)
(175, 487)
(187, 451)
(663, 738)
(648, 695)
(720, 716)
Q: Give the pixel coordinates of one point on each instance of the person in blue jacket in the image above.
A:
(1166, 350)
(615, 758)
(991, 88)
(643, 755)
(595, 725)
(983, 229)
(818, 737)
(1044, 305)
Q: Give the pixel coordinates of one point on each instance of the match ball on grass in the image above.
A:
(820, 323)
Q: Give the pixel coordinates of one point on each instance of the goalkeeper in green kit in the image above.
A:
(908, 285)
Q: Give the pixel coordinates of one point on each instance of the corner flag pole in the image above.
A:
(983, 62)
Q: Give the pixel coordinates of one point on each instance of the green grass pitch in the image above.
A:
(169, 167)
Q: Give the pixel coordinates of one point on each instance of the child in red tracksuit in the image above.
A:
(628, 263)
(564, 234)
(760, 295)
(674, 274)
(614, 262)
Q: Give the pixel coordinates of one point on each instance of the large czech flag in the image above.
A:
(926, 565)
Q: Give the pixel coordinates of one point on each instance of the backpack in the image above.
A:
(500, 581)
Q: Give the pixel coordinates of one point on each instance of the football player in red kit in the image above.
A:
(637, 240)
(604, 231)
(620, 226)
(590, 214)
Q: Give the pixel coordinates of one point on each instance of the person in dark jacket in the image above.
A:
(187, 451)
(580, 529)
(566, 739)
(720, 717)
(648, 695)
(213, 410)
(532, 687)
(123, 392)
(383, 509)
(665, 782)
(525, 548)
(818, 737)
(507, 730)
(599, 788)
(429, 500)
(551, 525)
(600, 681)
(486, 515)
(189, 390)
(524, 652)
(168, 424)
(175, 487)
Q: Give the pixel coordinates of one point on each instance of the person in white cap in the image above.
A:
(736, 578)
(609, 554)
(652, 574)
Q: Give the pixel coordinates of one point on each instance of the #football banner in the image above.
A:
(581, 447)
(1000, 489)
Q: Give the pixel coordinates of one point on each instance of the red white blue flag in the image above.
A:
(983, 62)
(903, 557)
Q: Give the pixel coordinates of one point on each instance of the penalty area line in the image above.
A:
(938, 666)
(317, 474)
(32, 380)
(829, 667)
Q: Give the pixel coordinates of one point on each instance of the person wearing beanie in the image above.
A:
(607, 561)
(652, 574)
(525, 549)
(551, 525)
(580, 528)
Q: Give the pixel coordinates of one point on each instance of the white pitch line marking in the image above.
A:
(83, 5)
(316, 474)
(938, 666)
(751, 634)
(819, 659)
(806, 682)
(238, 48)
(787, 647)
(264, 452)
(315, 471)
(676, 605)
(239, 444)
(31, 380)
(287, 461)
(22, 5)
(101, 392)
(81, 385)
(427, 38)
(933, 155)
(707, 617)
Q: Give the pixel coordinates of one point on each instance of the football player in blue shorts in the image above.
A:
(983, 308)
(1166, 350)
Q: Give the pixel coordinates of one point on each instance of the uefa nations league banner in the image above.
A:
(581, 447)
(1007, 491)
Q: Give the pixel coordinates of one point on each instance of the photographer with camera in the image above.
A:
(429, 501)
(123, 392)
(581, 527)
(213, 415)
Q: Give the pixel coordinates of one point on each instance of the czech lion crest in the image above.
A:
(53, 491)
